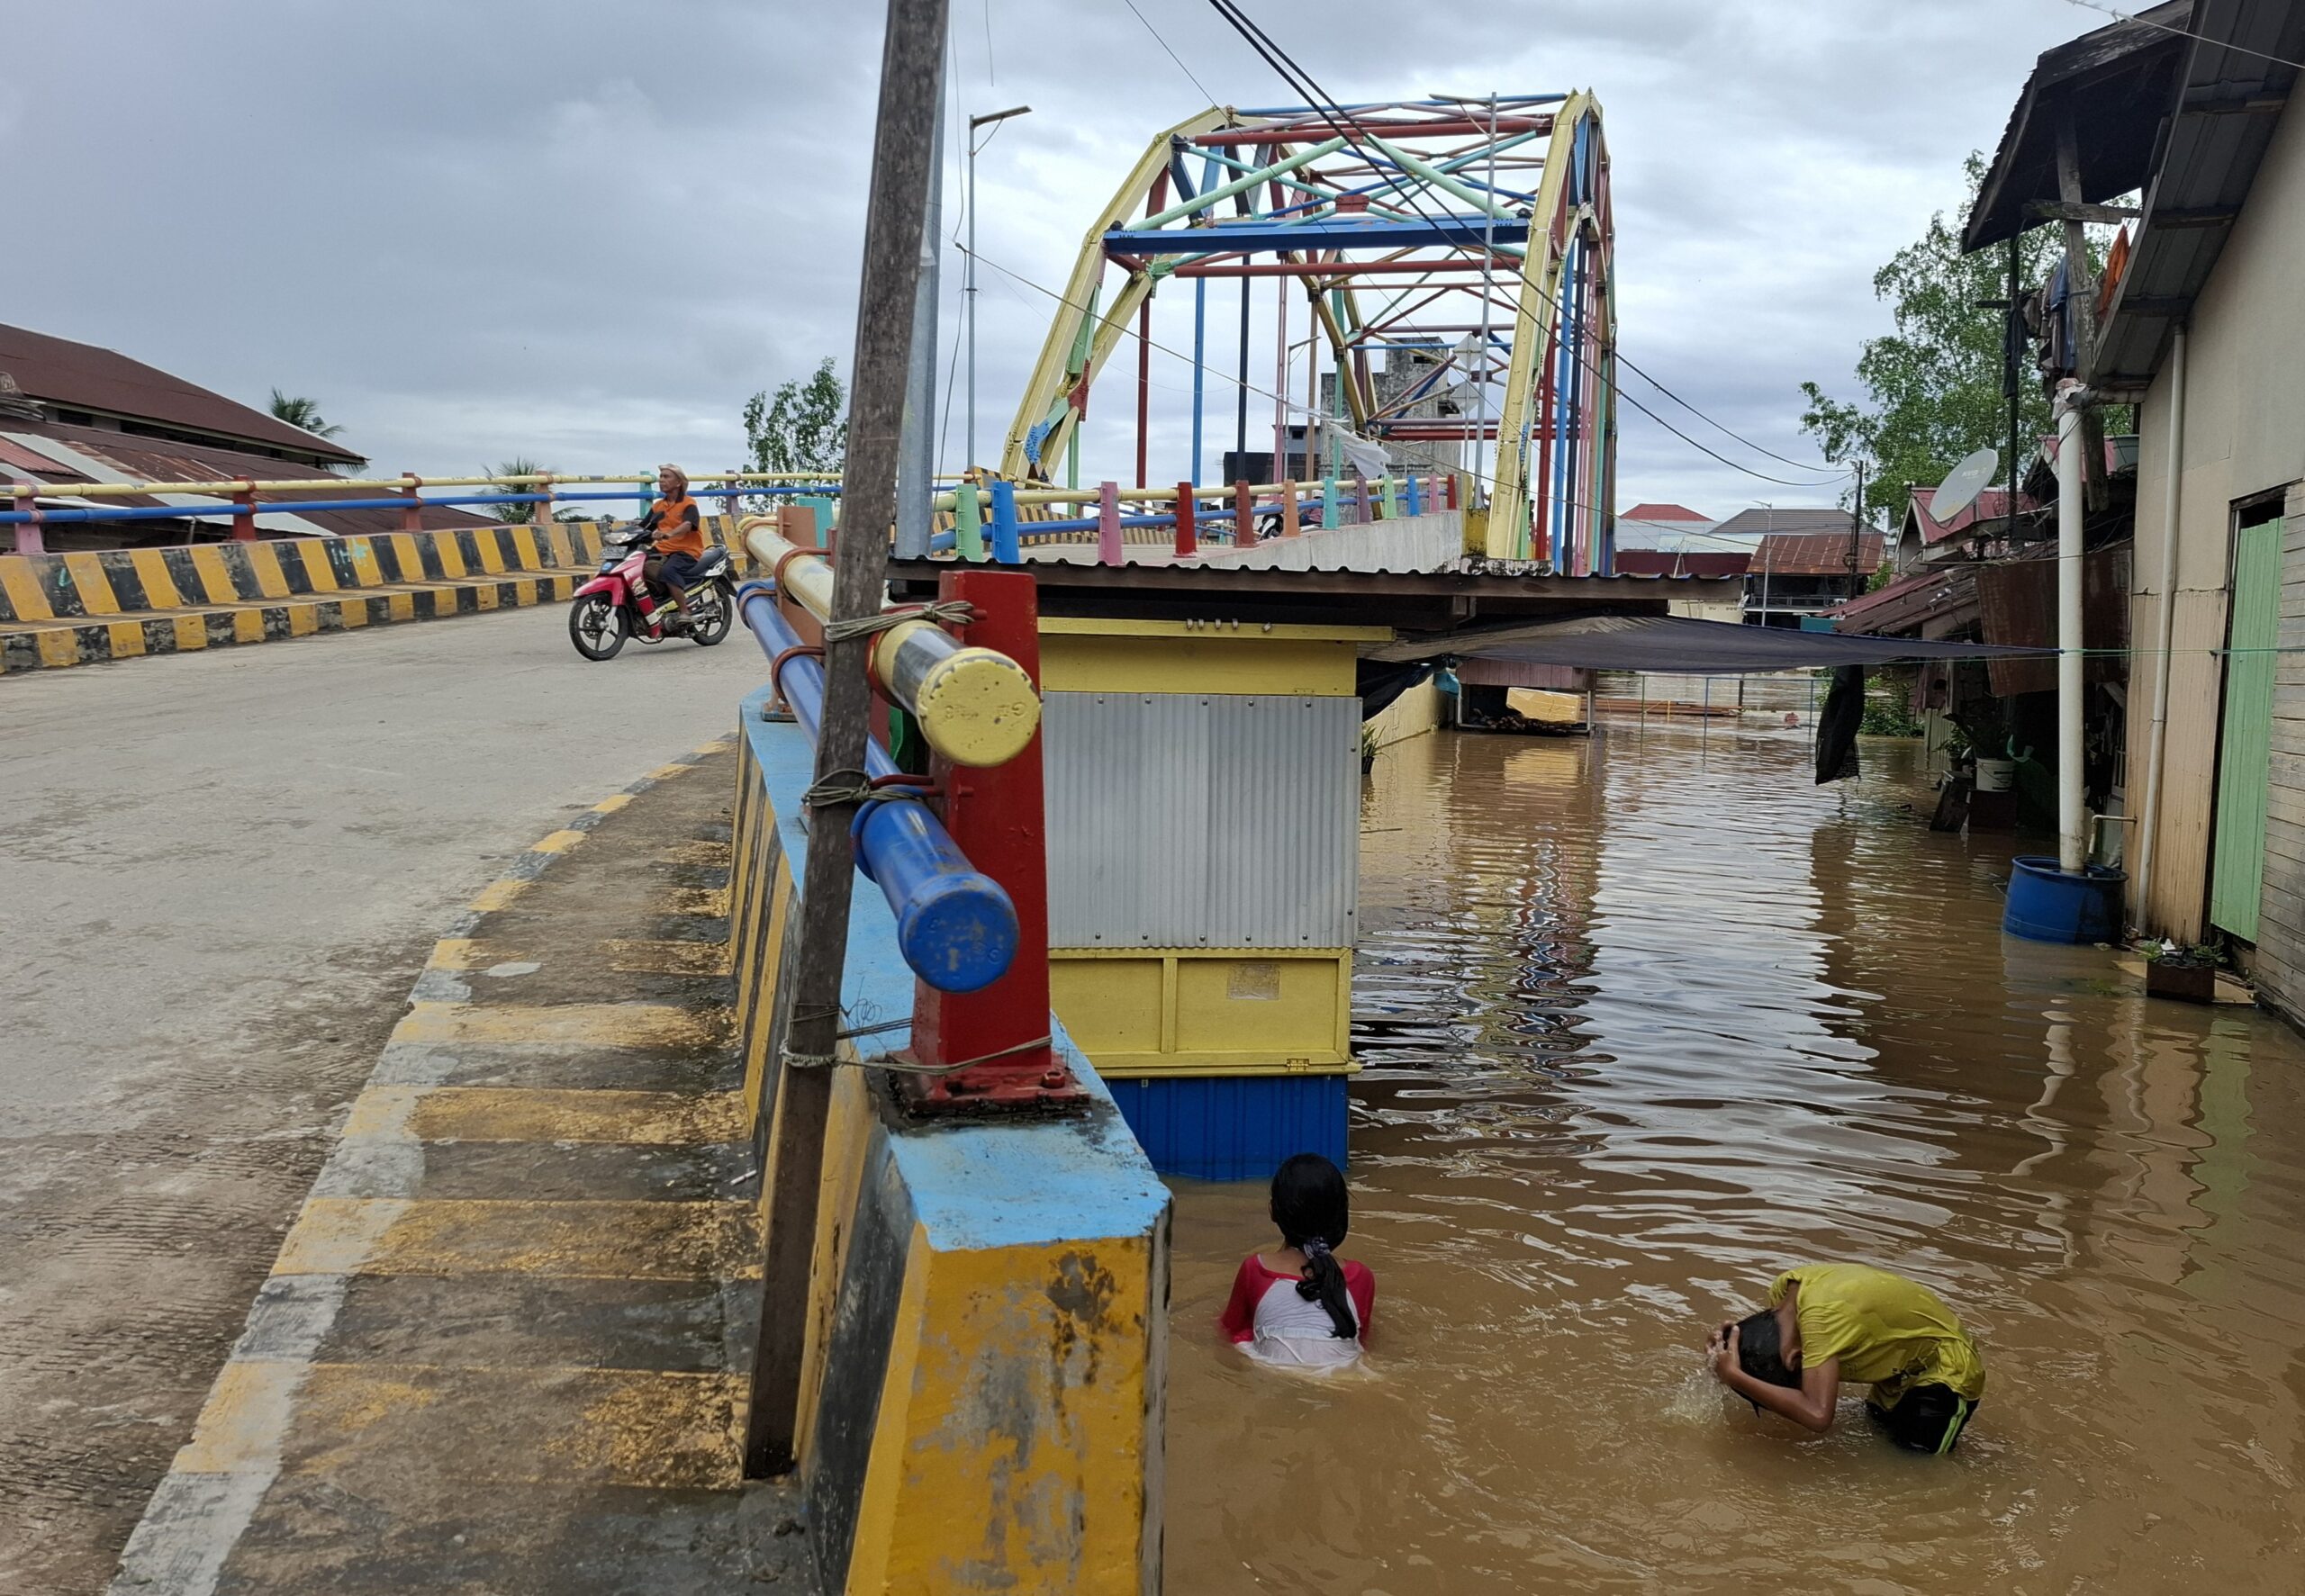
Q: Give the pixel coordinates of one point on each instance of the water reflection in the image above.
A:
(1646, 1019)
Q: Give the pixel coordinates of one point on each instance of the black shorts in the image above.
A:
(678, 570)
(1925, 1419)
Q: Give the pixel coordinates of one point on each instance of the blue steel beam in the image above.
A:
(1449, 230)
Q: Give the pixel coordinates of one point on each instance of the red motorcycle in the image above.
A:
(617, 604)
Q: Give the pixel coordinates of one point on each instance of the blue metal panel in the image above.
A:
(1326, 233)
(1234, 1127)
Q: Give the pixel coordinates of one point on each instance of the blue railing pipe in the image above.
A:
(955, 925)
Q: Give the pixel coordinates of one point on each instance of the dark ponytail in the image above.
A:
(1310, 1205)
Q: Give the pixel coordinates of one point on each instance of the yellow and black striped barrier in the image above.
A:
(92, 606)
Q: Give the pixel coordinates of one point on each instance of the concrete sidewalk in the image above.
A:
(504, 1346)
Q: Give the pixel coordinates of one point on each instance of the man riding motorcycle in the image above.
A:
(678, 527)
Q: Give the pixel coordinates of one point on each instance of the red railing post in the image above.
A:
(244, 512)
(1290, 513)
(1108, 524)
(996, 816)
(28, 538)
(411, 519)
(1244, 515)
(1188, 541)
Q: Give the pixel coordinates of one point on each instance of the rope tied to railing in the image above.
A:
(902, 1066)
(950, 612)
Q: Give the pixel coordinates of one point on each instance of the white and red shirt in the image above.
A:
(1269, 1321)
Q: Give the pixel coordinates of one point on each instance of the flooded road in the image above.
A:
(1650, 1019)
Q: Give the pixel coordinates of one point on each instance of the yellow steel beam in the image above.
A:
(1508, 505)
(1049, 380)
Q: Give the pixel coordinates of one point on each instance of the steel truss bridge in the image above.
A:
(1464, 244)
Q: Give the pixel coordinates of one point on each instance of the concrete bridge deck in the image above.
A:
(224, 872)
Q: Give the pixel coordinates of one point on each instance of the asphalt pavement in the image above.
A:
(220, 874)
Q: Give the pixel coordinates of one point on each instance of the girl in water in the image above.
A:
(1301, 1305)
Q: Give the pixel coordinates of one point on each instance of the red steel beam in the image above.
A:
(1351, 127)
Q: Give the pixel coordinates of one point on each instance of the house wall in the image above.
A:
(2281, 914)
(2245, 434)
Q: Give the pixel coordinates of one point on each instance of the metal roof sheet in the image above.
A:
(2229, 104)
(83, 376)
(2118, 81)
(1817, 554)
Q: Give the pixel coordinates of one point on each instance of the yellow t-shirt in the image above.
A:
(1887, 1331)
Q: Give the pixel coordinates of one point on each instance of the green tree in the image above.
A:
(521, 465)
(302, 413)
(801, 427)
(1934, 384)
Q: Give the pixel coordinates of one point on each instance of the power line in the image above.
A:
(1700, 415)
(1173, 56)
(1487, 478)
(2143, 22)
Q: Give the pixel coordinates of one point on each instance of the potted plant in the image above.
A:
(2186, 974)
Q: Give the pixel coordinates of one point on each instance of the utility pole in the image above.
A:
(904, 146)
(968, 275)
(916, 440)
(1857, 538)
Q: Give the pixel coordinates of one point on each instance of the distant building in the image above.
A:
(72, 414)
(1663, 526)
(1727, 564)
(1797, 574)
(1924, 539)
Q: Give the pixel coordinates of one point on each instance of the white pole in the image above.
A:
(2072, 810)
(2163, 632)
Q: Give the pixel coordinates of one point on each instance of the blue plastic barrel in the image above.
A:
(2047, 905)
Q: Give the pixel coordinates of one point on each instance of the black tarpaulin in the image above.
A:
(1679, 644)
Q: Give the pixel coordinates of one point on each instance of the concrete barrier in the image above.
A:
(95, 606)
(984, 1377)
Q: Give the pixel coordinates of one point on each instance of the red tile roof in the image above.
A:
(82, 376)
(1662, 512)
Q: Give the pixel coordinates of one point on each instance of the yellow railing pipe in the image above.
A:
(975, 706)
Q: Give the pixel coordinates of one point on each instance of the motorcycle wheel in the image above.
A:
(714, 627)
(596, 626)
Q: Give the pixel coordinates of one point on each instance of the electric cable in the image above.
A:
(1173, 56)
(2143, 22)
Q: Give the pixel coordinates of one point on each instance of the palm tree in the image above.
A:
(303, 413)
(518, 465)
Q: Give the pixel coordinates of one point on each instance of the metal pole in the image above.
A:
(1199, 368)
(917, 452)
(2072, 816)
(967, 278)
(904, 160)
(1487, 283)
(2164, 620)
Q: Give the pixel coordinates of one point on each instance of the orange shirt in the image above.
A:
(672, 535)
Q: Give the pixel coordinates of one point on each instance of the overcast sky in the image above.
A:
(585, 230)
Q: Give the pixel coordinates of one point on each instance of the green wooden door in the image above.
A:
(2237, 872)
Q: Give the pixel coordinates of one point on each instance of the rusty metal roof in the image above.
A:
(1816, 554)
(158, 460)
(1413, 602)
(1662, 561)
(82, 376)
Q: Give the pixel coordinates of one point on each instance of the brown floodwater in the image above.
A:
(1646, 1020)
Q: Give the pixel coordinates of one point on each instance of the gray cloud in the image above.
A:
(586, 231)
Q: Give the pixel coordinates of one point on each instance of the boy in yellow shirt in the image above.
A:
(1830, 1322)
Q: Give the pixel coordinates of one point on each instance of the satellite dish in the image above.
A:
(1963, 483)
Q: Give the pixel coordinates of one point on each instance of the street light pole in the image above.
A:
(968, 276)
